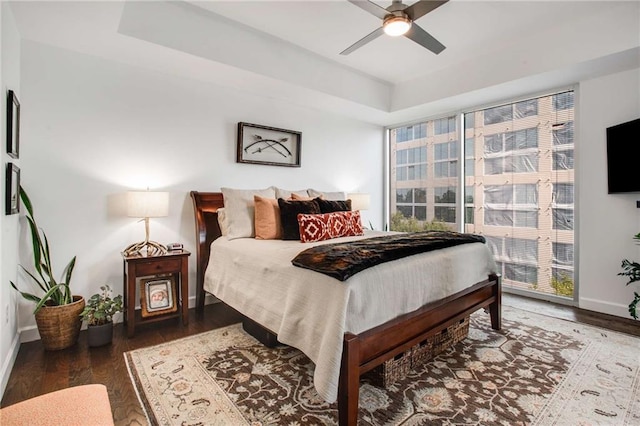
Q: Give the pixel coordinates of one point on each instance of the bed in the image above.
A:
(366, 339)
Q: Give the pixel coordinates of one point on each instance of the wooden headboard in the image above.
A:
(205, 208)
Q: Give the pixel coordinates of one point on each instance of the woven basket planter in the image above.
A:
(59, 326)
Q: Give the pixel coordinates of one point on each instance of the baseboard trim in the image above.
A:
(604, 307)
(7, 366)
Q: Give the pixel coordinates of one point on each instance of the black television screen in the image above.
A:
(623, 157)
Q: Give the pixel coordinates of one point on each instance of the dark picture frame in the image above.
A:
(13, 124)
(259, 144)
(157, 296)
(12, 189)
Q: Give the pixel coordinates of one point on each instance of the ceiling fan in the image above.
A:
(399, 19)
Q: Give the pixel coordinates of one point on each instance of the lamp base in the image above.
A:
(151, 247)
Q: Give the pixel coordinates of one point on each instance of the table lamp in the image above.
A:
(359, 200)
(146, 204)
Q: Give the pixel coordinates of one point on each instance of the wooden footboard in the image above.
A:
(364, 351)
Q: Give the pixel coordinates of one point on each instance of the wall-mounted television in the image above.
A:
(623, 157)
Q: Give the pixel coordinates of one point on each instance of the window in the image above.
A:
(563, 160)
(563, 193)
(412, 202)
(563, 146)
(518, 185)
(404, 134)
(511, 152)
(526, 108)
(562, 266)
(563, 133)
(517, 258)
(500, 114)
(563, 101)
(562, 204)
(511, 205)
(469, 157)
(411, 164)
(444, 126)
(468, 203)
(445, 203)
(445, 159)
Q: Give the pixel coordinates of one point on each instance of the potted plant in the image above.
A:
(99, 313)
(57, 311)
(632, 271)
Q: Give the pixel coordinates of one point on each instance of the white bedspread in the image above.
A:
(312, 311)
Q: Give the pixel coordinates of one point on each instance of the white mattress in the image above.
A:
(312, 311)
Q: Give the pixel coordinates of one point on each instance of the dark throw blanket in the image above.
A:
(343, 260)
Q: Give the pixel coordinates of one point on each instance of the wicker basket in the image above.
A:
(397, 368)
(59, 326)
(438, 343)
(391, 370)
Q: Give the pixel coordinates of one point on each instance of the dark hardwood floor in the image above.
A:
(37, 372)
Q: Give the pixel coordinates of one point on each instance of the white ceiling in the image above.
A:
(466, 28)
(290, 49)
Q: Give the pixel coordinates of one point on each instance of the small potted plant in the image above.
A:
(631, 270)
(99, 313)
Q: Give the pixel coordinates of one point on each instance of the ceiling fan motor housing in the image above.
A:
(396, 23)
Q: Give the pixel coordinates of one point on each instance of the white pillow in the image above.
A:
(240, 211)
(286, 194)
(335, 196)
(222, 221)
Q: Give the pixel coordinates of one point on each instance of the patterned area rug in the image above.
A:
(537, 370)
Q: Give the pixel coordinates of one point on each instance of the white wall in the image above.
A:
(94, 129)
(607, 223)
(10, 79)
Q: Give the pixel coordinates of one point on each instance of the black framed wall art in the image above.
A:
(268, 145)
(13, 124)
(12, 188)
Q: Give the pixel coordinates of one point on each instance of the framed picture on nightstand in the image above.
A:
(158, 296)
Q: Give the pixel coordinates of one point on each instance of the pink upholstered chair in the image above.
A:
(75, 406)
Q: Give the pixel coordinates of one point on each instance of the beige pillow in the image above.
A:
(267, 221)
(240, 211)
(287, 194)
(222, 221)
(335, 196)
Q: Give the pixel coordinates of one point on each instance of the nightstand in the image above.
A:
(173, 264)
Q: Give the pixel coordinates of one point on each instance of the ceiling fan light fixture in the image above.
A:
(396, 25)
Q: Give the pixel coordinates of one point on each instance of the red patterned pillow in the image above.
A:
(320, 227)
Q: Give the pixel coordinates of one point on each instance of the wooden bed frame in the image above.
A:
(364, 351)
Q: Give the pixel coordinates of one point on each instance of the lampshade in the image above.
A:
(396, 25)
(359, 200)
(147, 204)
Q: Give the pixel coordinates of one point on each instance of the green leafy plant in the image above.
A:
(562, 285)
(411, 224)
(101, 308)
(631, 270)
(55, 293)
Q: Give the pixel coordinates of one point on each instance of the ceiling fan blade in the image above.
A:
(371, 7)
(366, 39)
(424, 39)
(421, 8)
